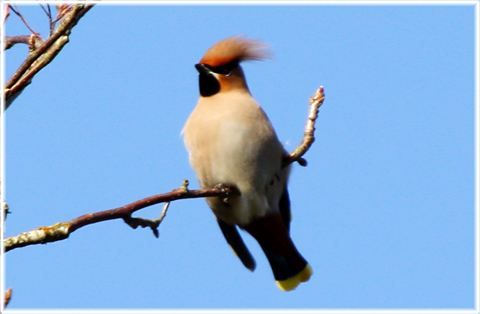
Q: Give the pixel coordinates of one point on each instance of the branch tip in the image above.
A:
(308, 137)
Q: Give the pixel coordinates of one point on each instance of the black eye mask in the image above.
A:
(209, 84)
(225, 69)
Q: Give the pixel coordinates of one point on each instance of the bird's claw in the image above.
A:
(226, 190)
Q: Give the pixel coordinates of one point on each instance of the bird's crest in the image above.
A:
(235, 48)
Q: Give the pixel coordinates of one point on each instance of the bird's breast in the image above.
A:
(232, 142)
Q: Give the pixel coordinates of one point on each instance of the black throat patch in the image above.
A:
(208, 84)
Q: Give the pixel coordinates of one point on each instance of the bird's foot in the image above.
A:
(227, 191)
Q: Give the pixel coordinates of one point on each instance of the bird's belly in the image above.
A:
(239, 209)
(237, 164)
(237, 160)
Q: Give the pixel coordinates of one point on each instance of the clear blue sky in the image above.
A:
(384, 212)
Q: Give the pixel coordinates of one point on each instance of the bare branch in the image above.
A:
(13, 40)
(10, 41)
(62, 230)
(17, 12)
(308, 137)
(153, 224)
(43, 55)
(33, 41)
(48, 13)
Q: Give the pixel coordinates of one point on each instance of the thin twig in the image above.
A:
(48, 12)
(164, 213)
(17, 12)
(136, 222)
(308, 137)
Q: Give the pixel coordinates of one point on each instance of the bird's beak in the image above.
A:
(201, 68)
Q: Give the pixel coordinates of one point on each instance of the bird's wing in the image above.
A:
(284, 206)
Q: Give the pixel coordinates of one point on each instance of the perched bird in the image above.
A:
(232, 143)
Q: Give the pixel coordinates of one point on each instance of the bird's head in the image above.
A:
(220, 66)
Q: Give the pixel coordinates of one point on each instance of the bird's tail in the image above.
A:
(288, 265)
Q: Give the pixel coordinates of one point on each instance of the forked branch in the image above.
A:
(62, 230)
(41, 52)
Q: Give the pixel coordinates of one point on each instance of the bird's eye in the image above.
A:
(225, 69)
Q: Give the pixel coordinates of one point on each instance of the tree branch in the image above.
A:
(41, 56)
(15, 10)
(153, 224)
(33, 41)
(62, 230)
(308, 137)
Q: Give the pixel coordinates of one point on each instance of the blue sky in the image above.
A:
(384, 212)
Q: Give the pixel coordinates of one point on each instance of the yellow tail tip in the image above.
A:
(292, 282)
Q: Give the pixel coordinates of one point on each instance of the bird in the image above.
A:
(232, 143)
